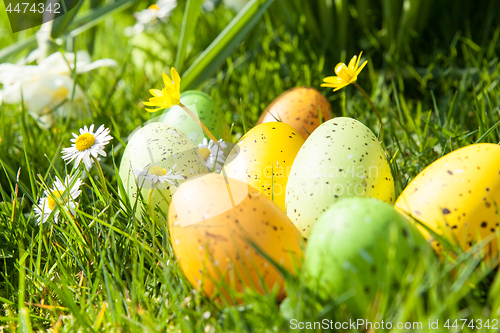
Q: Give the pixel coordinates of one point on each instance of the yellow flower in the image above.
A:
(345, 74)
(168, 96)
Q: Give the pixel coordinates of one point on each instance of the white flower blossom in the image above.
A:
(60, 191)
(87, 145)
(150, 16)
(157, 174)
(212, 154)
(45, 87)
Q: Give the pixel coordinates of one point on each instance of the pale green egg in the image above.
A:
(201, 105)
(341, 158)
(158, 150)
(361, 248)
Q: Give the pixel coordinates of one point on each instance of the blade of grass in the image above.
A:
(191, 14)
(16, 48)
(62, 22)
(95, 17)
(226, 42)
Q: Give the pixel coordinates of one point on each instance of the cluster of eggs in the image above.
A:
(303, 191)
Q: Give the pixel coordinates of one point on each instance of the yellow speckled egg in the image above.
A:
(213, 221)
(458, 196)
(298, 107)
(266, 155)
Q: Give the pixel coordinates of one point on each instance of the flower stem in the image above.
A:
(373, 107)
(150, 196)
(203, 127)
(103, 180)
(151, 214)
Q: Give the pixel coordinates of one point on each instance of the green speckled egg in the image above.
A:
(202, 105)
(361, 247)
(341, 158)
(158, 147)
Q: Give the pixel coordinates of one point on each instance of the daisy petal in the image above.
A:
(99, 130)
(78, 160)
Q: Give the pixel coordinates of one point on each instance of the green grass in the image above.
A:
(105, 269)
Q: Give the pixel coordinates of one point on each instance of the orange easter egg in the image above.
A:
(219, 229)
(300, 108)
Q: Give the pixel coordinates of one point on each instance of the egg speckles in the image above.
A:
(341, 158)
(266, 155)
(458, 196)
(212, 239)
(158, 145)
(298, 107)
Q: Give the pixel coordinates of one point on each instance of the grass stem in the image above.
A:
(103, 180)
(151, 214)
(203, 127)
(373, 107)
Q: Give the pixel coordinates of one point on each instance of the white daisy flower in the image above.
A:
(150, 16)
(209, 5)
(212, 154)
(165, 8)
(46, 87)
(61, 191)
(87, 145)
(157, 174)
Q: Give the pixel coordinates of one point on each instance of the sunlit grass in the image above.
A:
(101, 271)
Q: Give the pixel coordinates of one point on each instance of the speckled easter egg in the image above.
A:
(300, 108)
(458, 196)
(341, 158)
(152, 151)
(266, 155)
(219, 228)
(202, 105)
(361, 247)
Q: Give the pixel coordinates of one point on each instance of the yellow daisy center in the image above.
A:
(157, 171)
(85, 141)
(154, 7)
(344, 72)
(61, 93)
(204, 152)
(50, 199)
(46, 110)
